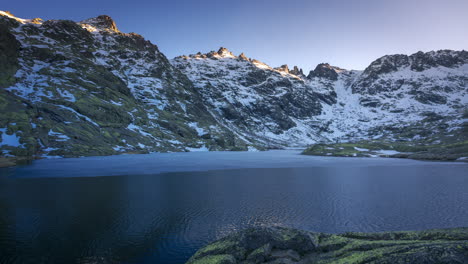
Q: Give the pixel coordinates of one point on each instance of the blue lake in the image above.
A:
(161, 208)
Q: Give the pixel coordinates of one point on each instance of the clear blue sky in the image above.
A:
(345, 33)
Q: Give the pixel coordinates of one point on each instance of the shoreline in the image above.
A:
(13, 161)
(447, 152)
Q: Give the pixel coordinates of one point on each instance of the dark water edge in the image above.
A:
(166, 217)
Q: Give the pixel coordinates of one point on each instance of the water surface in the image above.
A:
(160, 208)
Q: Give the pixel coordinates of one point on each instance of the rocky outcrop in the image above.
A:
(243, 57)
(283, 68)
(102, 22)
(284, 245)
(325, 70)
(298, 72)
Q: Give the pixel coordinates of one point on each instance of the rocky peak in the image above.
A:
(325, 70)
(419, 61)
(283, 68)
(386, 64)
(102, 22)
(223, 52)
(297, 71)
(424, 60)
(243, 57)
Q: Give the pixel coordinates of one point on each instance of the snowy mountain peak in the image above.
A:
(102, 22)
(225, 53)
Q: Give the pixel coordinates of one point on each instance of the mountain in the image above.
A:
(75, 89)
(85, 88)
(397, 97)
(269, 105)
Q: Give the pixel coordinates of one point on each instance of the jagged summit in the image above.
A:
(283, 68)
(223, 52)
(243, 57)
(102, 22)
(418, 61)
(21, 20)
(220, 54)
(297, 71)
(325, 70)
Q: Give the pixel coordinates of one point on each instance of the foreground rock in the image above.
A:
(283, 245)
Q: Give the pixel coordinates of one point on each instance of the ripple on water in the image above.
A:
(165, 218)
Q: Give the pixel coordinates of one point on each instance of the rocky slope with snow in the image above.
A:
(398, 97)
(85, 88)
(271, 106)
(73, 89)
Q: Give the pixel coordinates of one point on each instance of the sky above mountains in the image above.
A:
(345, 33)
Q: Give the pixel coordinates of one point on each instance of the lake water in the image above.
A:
(161, 208)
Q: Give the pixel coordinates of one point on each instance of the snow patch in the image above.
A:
(10, 140)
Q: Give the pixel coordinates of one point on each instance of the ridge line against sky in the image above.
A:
(348, 34)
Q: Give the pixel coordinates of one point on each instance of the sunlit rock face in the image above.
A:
(85, 88)
(102, 22)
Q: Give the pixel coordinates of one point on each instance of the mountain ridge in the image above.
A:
(85, 88)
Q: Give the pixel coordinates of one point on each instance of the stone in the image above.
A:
(260, 254)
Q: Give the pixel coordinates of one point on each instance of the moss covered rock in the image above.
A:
(283, 245)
